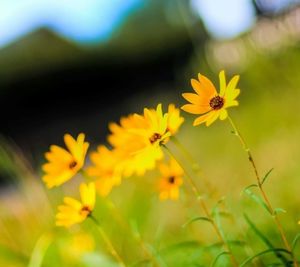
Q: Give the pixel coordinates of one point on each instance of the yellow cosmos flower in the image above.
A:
(74, 211)
(106, 169)
(63, 164)
(138, 138)
(207, 102)
(170, 181)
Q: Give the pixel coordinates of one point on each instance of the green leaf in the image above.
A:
(217, 216)
(266, 176)
(257, 199)
(270, 250)
(216, 206)
(219, 256)
(279, 210)
(265, 240)
(40, 250)
(249, 186)
(295, 241)
(198, 218)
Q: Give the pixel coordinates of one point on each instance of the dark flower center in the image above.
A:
(216, 102)
(86, 209)
(72, 165)
(171, 179)
(154, 138)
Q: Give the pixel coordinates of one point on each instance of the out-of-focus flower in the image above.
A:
(106, 169)
(207, 102)
(76, 246)
(138, 138)
(174, 119)
(64, 164)
(74, 211)
(170, 181)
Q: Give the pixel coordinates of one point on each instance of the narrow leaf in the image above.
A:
(265, 240)
(295, 241)
(266, 176)
(218, 256)
(257, 199)
(198, 218)
(40, 250)
(271, 250)
(279, 210)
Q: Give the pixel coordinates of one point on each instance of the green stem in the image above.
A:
(204, 206)
(107, 242)
(195, 166)
(263, 193)
(122, 222)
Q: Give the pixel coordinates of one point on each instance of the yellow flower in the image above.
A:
(138, 139)
(207, 102)
(74, 211)
(106, 169)
(63, 164)
(174, 119)
(170, 181)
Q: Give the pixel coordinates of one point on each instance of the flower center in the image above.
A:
(73, 164)
(86, 210)
(216, 102)
(154, 138)
(171, 179)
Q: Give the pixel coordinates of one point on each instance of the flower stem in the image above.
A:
(195, 165)
(263, 193)
(204, 207)
(124, 223)
(108, 243)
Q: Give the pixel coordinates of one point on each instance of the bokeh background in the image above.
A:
(75, 66)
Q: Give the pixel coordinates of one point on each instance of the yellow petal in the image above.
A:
(208, 86)
(223, 114)
(87, 194)
(213, 117)
(232, 94)
(193, 98)
(195, 109)
(70, 143)
(232, 84)
(59, 153)
(231, 103)
(202, 119)
(72, 203)
(222, 83)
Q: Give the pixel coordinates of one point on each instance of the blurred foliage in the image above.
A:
(268, 116)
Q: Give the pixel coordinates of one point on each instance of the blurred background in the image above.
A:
(75, 66)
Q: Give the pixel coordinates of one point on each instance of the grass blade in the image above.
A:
(257, 199)
(295, 241)
(265, 240)
(219, 256)
(40, 250)
(270, 250)
(266, 176)
(195, 219)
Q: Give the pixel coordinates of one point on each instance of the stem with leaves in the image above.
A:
(260, 186)
(203, 205)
